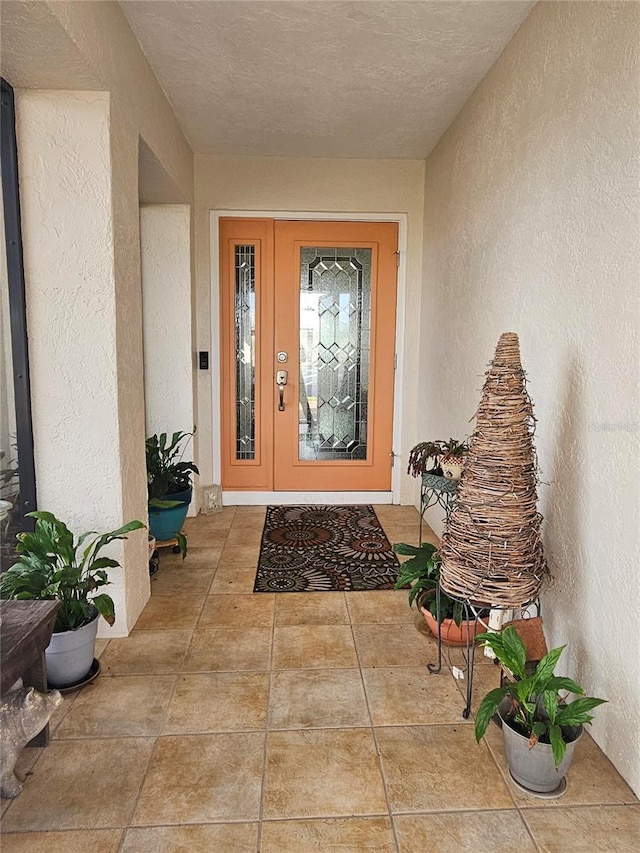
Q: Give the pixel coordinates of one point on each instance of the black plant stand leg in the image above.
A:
(432, 667)
(470, 656)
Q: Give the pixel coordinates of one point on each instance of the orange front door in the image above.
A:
(308, 339)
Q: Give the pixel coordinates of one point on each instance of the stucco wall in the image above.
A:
(63, 139)
(165, 236)
(288, 184)
(58, 44)
(94, 354)
(531, 225)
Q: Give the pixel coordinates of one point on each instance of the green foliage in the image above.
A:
(53, 564)
(422, 573)
(536, 709)
(424, 457)
(167, 474)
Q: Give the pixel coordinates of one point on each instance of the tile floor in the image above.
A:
(235, 722)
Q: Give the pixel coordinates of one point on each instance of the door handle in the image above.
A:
(281, 381)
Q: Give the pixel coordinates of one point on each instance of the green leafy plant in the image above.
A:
(53, 564)
(453, 447)
(422, 574)
(536, 709)
(167, 472)
(425, 457)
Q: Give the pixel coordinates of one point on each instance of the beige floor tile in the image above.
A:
(203, 546)
(71, 841)
(313, 647)
(146, 653)
(400, 529)
(219, 702)
(238, 611)
(229, 650)
(592, 778)
(122, 706)
(465, 832)
(201, 779)
(379, 607)
(583, 830)
(23, 768)
(348, 835)
(78, 784)
(231, 579)
(393, 645)
(180, 580)
(323, 698)
(204, 524)
(439, 768)
(402, 514)
(62, 710)
(205, 557)
(311, 608)
(411, 696)
(248, 532)
(100, 647)
(255, 511)
(457, 656)
(241, 555)
(212, 838)
(485, 678)
(164, 613)
(322, 773)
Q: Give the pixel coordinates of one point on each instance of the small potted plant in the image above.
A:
(540, 728)
(422, 574)
(169, 485)
(53, 564)
(438, 459)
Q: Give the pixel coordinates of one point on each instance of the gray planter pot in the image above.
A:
(70, 654)
(534, 768)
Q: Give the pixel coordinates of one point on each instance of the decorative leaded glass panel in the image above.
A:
(335, 324)
(245, 310)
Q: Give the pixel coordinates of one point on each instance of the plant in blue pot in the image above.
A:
(169, 485)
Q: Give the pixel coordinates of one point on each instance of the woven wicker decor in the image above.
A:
(491, 547)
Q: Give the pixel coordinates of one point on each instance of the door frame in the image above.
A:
(239, 498)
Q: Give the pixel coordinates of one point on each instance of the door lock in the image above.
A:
(281, 381)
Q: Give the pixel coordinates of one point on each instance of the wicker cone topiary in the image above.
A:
(491, 547)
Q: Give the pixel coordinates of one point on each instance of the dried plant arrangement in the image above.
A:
(491, 547)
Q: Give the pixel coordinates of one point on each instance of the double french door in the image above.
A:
(307, 363)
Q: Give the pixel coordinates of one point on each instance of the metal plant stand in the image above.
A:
(471, 614)
(436, 491)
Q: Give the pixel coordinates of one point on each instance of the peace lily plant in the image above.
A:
(532, 705)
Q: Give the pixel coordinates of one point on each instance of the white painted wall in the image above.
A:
(531, 225)
(166, 289)
(291, 184)
(165, 238)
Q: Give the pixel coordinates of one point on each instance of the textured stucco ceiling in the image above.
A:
(374, 78)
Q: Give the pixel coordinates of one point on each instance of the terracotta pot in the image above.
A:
(450, 633)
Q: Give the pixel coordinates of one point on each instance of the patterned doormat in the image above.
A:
(324, 548)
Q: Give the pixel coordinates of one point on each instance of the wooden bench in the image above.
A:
(25, 632)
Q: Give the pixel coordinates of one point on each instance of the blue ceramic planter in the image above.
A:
(165, 522)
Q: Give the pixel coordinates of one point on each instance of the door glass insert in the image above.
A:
(245, 311)
(335, 324)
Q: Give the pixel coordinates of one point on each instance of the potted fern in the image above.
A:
(539, 727)
(55, 565)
